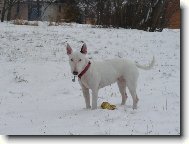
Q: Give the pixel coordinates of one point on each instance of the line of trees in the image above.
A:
(149, 15)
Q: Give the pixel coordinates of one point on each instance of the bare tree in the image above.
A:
(38, 9)
(8, 4)
(149, 15)
(71, 11)
(87, 8)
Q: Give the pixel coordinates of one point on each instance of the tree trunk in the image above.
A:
(38, 10)
(9, 14)
(156, 16)
(3, 11)
(18, 10)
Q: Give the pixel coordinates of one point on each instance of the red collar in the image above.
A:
(85, 69)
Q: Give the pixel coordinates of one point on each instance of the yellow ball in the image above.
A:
(106, 105)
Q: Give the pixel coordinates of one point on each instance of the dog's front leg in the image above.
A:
(86, 96)
(94, 98)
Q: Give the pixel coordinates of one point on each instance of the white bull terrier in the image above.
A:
(95, 75)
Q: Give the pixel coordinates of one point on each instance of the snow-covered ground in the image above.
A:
(37, 95)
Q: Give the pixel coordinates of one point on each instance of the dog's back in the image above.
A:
(111, 70)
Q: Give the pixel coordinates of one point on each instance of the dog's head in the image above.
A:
(77, 60)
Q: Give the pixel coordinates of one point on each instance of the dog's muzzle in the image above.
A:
(75, 73)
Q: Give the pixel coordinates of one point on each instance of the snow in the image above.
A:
(37, 95)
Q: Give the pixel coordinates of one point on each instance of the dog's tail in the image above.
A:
(146, 67)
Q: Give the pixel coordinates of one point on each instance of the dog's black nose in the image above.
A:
(75, 73)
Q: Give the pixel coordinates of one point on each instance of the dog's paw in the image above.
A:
(88, 107)
(134, 107)
(133, 112)
(93, 108)
(122, 103)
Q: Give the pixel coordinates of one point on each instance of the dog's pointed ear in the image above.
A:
(69, 49)
(84, 49)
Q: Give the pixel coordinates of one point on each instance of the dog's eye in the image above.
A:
(79, 59)
(71, 59)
